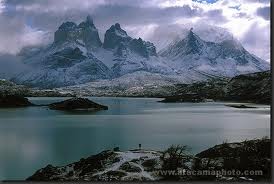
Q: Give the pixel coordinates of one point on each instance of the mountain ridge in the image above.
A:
(77, 56)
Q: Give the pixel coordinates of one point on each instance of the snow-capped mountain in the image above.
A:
(164, 35)
(78, 56)
(227, 58)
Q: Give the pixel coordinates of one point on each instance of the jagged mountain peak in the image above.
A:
(67, 26)
(114, 36)
(193, 38)
(85, 34)
(191, 44)
(191, 34)
(88, 23)
(89, 19)
(116, 28)
(227, 58)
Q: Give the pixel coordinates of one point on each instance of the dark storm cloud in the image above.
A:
(264, 12)
(108, 14)
(48, 15)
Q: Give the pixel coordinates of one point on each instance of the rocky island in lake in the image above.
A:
(241, 106)
(77, 104)
(14, 101)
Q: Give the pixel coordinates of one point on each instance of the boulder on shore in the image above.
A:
(77, 104)
(14, 101)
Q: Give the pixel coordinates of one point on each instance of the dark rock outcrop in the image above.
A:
(14, 101)
(77, 104)
(85, 168)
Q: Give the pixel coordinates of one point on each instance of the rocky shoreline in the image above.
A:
(149, 165)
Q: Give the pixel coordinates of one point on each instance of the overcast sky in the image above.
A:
(33, 22)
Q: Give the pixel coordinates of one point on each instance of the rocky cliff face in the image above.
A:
(85, 34)
(117, 38)
(114, 36)
(143, 48)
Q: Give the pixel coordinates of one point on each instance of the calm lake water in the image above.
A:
(31, 138)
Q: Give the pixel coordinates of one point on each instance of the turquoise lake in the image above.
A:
(33, 137)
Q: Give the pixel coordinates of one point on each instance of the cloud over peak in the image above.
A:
(33, 22)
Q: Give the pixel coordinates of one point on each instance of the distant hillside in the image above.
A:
(255, 87)
(10, 88)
